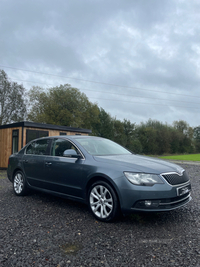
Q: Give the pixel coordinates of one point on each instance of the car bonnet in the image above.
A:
(139, 163)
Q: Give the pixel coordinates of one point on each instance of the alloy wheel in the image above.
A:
(18, 183)
(101, 201)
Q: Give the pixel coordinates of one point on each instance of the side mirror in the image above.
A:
(71, 153)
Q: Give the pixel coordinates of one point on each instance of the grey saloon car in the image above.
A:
(99, 172)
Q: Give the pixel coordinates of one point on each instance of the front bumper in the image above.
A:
(157, 198)
(165, 204)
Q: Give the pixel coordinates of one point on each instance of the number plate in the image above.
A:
(184, 190)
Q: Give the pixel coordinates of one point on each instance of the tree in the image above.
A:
(63, 105)
(129, 131)
(118, 133)
(12, 100)
(105, 126)
(185, 133)
(154, 137)
(181, 126)
(148, 139)
(125, 134)
(196, 136)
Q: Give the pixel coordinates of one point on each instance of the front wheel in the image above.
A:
(103, 202)
(19, 184)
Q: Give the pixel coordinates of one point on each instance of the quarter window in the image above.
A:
(39, 147)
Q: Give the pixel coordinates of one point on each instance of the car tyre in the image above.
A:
(103, 202)
(19, 184)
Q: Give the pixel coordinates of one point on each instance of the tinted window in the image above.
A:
(38, 147)
(60, 145)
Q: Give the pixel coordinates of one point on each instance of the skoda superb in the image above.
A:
(99, 172)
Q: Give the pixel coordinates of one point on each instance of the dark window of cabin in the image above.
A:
(62, 133)
(33, 134)
(15, 140)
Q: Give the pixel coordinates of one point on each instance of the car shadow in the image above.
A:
(81, 210)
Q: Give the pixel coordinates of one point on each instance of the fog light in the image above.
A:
(148, 203)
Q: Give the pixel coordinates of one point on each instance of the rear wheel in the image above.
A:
(103, 202)
(19, 184)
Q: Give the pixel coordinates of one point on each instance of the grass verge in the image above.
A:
(190, 157)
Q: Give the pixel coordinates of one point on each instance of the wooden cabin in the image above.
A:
(16, 135)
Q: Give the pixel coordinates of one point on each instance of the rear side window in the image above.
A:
(39, 147)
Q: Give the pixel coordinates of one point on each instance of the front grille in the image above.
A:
(175, 178)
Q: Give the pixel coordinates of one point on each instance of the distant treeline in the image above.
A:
(154, 137)
(65, 105)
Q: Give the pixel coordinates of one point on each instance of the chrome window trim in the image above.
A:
(52, 139)
(36, 155)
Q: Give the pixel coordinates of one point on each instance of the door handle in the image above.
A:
(48, 163)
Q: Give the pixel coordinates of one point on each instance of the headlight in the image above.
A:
(145, 179)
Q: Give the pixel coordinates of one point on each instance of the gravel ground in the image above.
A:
(42, 230)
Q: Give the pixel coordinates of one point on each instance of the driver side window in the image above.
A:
(60, 145)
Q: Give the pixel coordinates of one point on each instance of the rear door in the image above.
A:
(34, 162)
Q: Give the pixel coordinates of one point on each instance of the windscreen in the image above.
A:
(101, 147)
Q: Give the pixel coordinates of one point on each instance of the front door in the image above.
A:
(64, 175)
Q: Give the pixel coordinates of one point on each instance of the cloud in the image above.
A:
(149, 45)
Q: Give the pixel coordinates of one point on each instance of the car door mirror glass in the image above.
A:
(71, 153)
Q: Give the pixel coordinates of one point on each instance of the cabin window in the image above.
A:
(15, 140)
(33, 134)
(61, 133)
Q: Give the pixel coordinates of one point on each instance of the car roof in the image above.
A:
(68, 136)
(74, 136)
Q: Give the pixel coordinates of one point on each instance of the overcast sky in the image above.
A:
(138, 59)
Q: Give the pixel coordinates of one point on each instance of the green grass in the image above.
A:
(190, 157)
